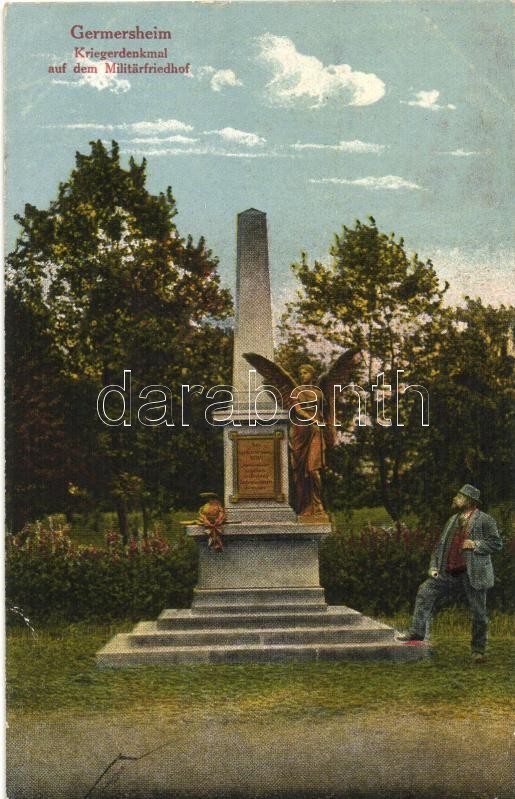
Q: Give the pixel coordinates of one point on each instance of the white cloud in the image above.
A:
(73, 84)
(299, 78)
(428, 100)
(203, 150)
(84, 126)
(165, 140)
(238, 136)
(224, 77)
(354, 146)
(227, 154)
(390, 182)
(461, 153)
(148, 151)
(156, 126)
(219, 78)
(99, 80)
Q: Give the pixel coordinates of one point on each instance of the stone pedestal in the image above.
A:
(265, 545)
(261, 556)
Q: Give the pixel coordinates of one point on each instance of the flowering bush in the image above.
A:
(48, 575)
(376, 570)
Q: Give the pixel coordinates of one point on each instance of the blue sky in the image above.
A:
(317, 113)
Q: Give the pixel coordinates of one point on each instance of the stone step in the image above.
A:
(146, 634)
(119, 653)
(257, 596)
(268, 608)
(172, 619)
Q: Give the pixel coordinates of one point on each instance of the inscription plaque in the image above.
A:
(257, 467)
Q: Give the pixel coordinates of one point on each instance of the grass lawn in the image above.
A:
(55, 671)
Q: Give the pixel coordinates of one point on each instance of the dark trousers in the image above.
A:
(436, 592)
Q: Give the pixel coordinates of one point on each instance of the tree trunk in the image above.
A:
(123, 526)
(146, 520)
(391, 509)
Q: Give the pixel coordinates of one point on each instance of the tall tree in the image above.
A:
(36, 450)
(473, 435)
(121, 289)
(373, 296)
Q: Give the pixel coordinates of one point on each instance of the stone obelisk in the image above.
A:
(253, 326)
(255, 454)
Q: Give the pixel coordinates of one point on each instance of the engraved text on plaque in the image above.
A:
(257, 468)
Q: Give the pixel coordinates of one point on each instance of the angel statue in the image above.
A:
(314, 402)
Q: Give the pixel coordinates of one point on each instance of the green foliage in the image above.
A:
(378, 570)
(108, 283)
(48, 576)
(472, 433)
(369, 296)
(91, 529)
(373, 296)
(107, 261)
(37, 451)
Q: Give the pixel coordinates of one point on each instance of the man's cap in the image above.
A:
(471, 492)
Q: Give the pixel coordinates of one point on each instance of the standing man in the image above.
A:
(460, 564)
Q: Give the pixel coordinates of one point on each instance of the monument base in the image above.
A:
(261, 555)
(259, 600)
(257, 626)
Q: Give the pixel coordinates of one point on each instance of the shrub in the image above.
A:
(378, 570)
(502, 595)
(48, 576)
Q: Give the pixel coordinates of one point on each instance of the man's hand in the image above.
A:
(468, 544)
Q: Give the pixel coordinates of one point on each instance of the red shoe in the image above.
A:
(408, 638)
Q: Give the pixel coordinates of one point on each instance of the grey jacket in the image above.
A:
(483, 531)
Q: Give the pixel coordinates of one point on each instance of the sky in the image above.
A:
(317, 113)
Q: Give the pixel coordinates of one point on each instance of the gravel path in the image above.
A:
(58, 757)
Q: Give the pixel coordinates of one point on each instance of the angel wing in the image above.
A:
(275, 376)
(338, 374)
